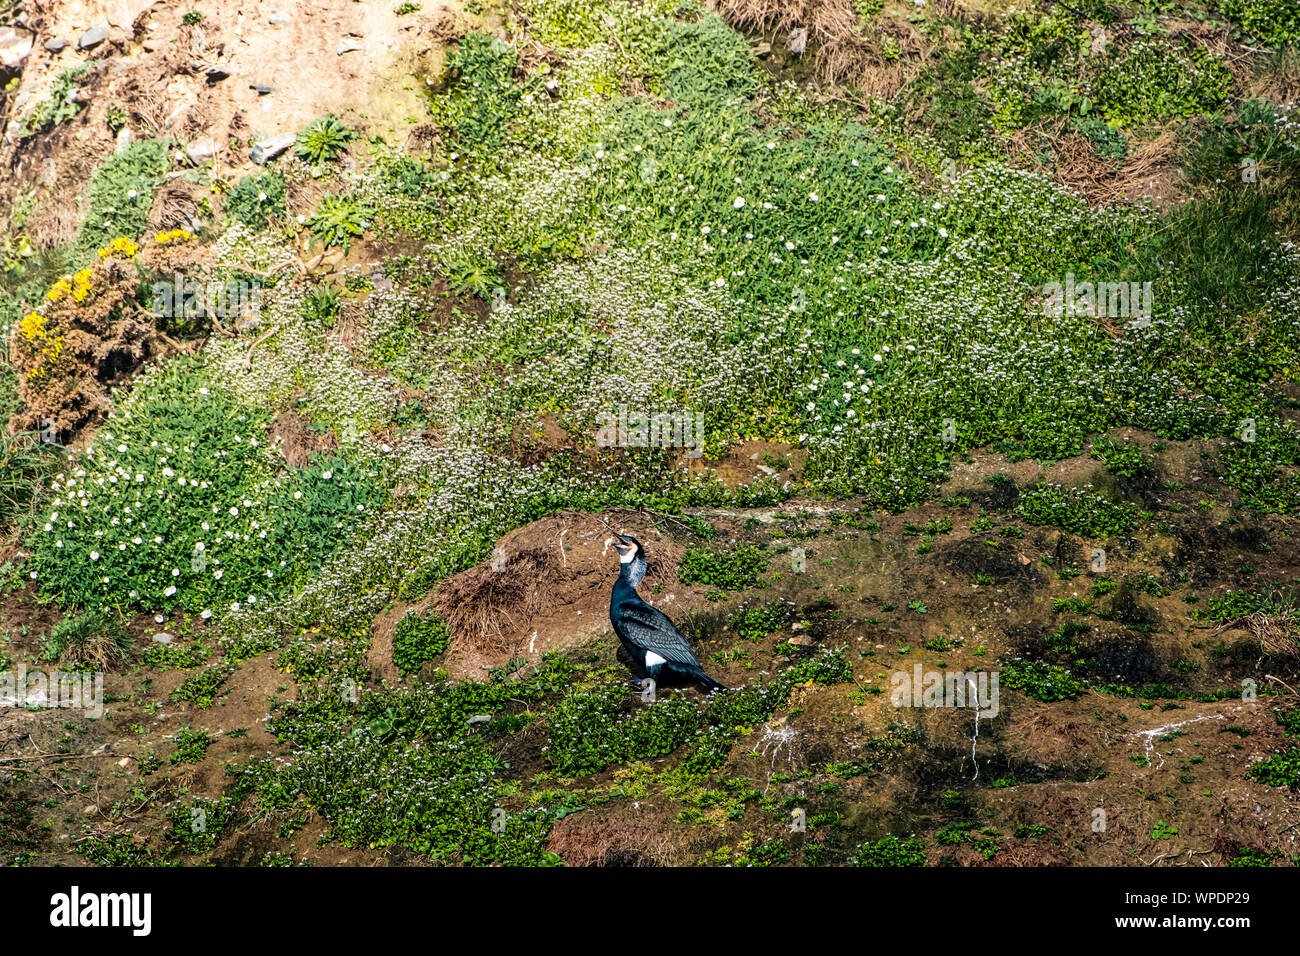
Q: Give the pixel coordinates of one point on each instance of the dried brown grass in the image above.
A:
(174, 205)
(484, 607)
(1150, 170)
(1278, 634)
(582, 841)
(846, 51)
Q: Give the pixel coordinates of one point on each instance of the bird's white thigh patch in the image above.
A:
(652, 659)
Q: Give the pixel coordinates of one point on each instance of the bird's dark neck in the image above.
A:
(631, 574)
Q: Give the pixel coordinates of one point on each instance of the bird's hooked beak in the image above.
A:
(620, 544)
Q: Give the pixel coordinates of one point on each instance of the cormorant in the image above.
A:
(647, 634)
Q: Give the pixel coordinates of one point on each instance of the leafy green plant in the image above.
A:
(485, 96)
(891, 851)
(1123, 458)
(730, 570)
(59, 107)
(322, 304)
(203, 688)
(191, 745)
(256, 199)
(1108, 143)
(476, 277)
(418, 638)
(755, 623)
(338, 220)
(1038, 679)
(1280, 770)
(210, 518)
(323, 140)
(1276, 22)
(1077, 510)
(198, 826)
(1159, 78)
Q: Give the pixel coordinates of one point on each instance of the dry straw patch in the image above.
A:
(846, 50)
(1278, 633)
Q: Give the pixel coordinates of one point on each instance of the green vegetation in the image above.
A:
(891, 851)
(121, 194)
(191, 745)
(1046, 682)
(58, 107)
(256, 199)
(1078, 510)
(418, 638)
(641, 206)
(755, 623)
(209, 516)
(94, 639)
(732, 570)
(338, 220)
(324, 140)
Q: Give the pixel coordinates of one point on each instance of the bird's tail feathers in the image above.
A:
(707, 683)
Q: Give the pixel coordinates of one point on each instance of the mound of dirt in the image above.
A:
(546, 587)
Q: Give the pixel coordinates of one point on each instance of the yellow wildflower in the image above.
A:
(175, 235)
(122, 246)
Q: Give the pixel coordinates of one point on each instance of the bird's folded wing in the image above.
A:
(650, 629)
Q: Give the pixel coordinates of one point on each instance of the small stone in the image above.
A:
(215, 74)
(259, 89)
(278, 18)
(55, 44)
(201, 151)
(347, 45)
(265, 150)
(123, 139)
(93, 37)
(162, 637)
(15, 45)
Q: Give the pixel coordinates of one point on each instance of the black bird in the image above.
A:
(649, 637)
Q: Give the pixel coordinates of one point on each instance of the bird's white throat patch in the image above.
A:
(627, 558)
